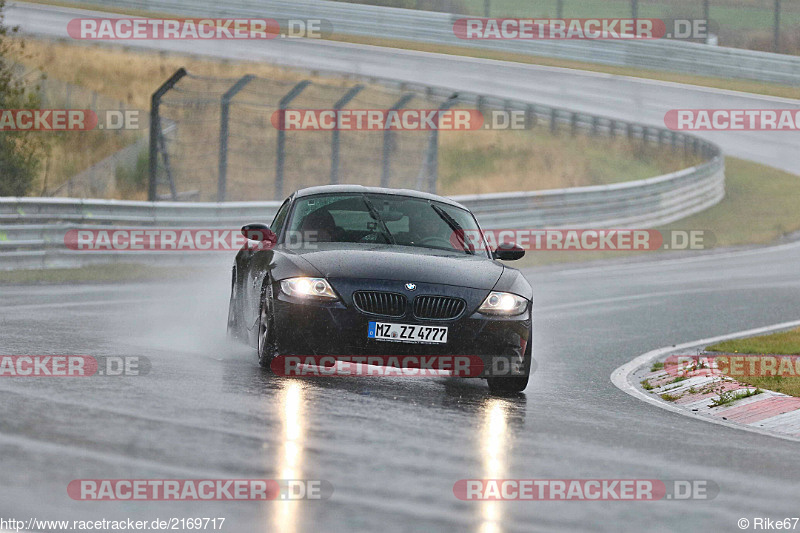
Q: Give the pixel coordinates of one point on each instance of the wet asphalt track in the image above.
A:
(391, 447)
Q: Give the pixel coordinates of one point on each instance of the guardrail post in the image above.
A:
(281, 148)
(388, 137)
(432, 159)
(573, 124)
(480, 103)
(155, 130)
(553, 120)
(43, 92)
(612, 128)
(595, 125)
(224, 119)
(343, 101)
(530, 117)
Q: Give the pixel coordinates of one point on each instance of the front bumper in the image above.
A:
(304, 327)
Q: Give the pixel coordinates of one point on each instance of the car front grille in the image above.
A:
(380, 303)
(438, 307)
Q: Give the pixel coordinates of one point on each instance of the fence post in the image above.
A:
(282, 105)
(43, 91)
(432, 159)
(155, 129)
(343, 101)
(224, 120)
(387, 142)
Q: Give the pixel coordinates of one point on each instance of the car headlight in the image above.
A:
(316, 288)
(503, 303)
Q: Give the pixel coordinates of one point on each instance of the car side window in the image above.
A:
(280, 217)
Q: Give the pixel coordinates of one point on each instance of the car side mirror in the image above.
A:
(259, 232)
(508, 251)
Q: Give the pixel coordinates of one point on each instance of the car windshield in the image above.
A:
(382, 219)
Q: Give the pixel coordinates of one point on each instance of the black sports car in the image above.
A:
(347, 270)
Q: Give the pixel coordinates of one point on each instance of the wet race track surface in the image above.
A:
(391, 447)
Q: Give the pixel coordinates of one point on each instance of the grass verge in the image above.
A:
(469, 162)
(781, 343)
(759, 208)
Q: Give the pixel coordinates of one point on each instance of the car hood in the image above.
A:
(403, 263)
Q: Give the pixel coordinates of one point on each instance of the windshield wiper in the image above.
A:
(375, 215)
(455, 226)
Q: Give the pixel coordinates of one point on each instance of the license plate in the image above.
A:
(383, 331)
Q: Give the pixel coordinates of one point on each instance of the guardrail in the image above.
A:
(437, 28)
(33, 230)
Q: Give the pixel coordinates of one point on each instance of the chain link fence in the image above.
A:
(216, 139)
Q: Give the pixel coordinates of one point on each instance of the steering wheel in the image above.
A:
(435, 239)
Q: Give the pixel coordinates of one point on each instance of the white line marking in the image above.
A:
(77, 304)
(660, 263)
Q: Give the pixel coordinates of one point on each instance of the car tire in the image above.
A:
(514, 384)
(266, 338)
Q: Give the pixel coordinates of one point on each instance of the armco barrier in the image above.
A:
(32, 230)
(437, 28)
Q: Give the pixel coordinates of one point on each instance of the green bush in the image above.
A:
(20, 152)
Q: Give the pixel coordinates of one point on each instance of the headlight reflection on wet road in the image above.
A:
(494, 450)
(289, 455)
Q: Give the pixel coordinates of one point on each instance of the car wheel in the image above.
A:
(514, 384)
(266, 338)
